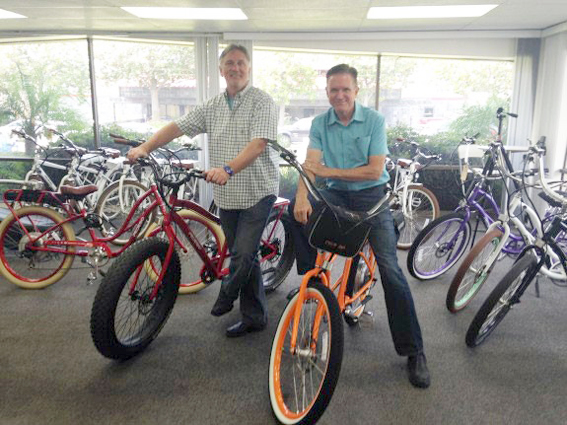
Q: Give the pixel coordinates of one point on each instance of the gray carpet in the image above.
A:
(50, 372)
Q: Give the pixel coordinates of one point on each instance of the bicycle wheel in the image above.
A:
(114, 205)
(501, 300)
(125, 318)
(361, 271)
(25, 266)
(439, 246)
(209, 235)
(422, 208)
(473, 271)
(301, 384)
(276, 252)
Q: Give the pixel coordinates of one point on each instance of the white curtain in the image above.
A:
(551, 101)
(523, 102)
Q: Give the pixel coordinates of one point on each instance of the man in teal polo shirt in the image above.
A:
(348, 148)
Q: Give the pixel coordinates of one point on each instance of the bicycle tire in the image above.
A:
(326, 347)
(276, 258)
(211, 237)
(113, 214)
(359, 274)
(497, 305)
(18, 264)
(122, 304)
(429, 255)
(424, 209)
(473, 272)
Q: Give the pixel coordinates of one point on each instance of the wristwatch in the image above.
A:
(228, 170)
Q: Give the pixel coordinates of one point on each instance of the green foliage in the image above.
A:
(14, 170)
(288, 181)
(481, 120)
(40, 84)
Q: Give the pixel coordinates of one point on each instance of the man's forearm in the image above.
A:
(248, 155)
(365, 172)
(162, 137)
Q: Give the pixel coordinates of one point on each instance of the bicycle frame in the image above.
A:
(95, 242)
(213, 268)
(322, 269)
(475, 193)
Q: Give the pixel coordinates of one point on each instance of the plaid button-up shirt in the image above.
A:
(253, 116)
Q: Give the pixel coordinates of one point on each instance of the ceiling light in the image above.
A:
(218, 13)
(4, 14)
(423, 12)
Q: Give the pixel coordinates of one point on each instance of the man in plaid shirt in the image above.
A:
(238, 122)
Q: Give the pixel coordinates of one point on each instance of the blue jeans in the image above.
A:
(243, 231)
(402, 317)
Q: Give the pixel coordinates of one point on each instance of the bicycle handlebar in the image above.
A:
(418, 152)
(291, 159)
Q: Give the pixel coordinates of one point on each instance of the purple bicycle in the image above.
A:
(442, 243)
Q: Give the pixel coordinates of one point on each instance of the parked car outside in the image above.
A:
(296, 136)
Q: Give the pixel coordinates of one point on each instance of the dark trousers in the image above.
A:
(402, 317)
(243, 231)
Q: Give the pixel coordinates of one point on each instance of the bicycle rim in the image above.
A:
(500, 301)
(275, 254)
(439, 247)
(301, 384)
(138, 317)
(421, 209)
(25, 266)
(209, 235)
(476, 273)
(114, 205)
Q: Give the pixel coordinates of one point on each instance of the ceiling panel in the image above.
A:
(274, 16)
(72, 13)
(306, 15)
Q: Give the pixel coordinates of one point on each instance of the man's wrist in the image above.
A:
(228, 170)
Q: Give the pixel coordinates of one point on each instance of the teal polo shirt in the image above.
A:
(350, 146)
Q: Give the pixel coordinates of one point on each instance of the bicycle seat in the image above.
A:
(403, 162)
(78, 192)
(186, 164)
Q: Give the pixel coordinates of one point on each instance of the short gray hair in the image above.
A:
(232, 47)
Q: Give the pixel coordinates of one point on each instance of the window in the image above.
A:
(44, 84)
(141, 85)
(296, 81)
(454, 97)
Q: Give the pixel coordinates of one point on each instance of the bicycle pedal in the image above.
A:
(91, 278)
(369, 313)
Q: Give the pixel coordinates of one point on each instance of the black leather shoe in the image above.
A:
(418, 372)
(221, 307)
(242, 328)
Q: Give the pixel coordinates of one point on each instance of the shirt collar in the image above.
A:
(357, 116)
(240, 93)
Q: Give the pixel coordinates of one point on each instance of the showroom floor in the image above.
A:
(50, 372)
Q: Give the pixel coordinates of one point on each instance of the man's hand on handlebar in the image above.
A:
(316, 168)
(135, 153)
(217, 176)
(302, 210)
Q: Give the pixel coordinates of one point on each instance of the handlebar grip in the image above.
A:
(127, 142)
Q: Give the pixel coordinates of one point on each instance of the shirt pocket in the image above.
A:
(359, 149)
(242, 130)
